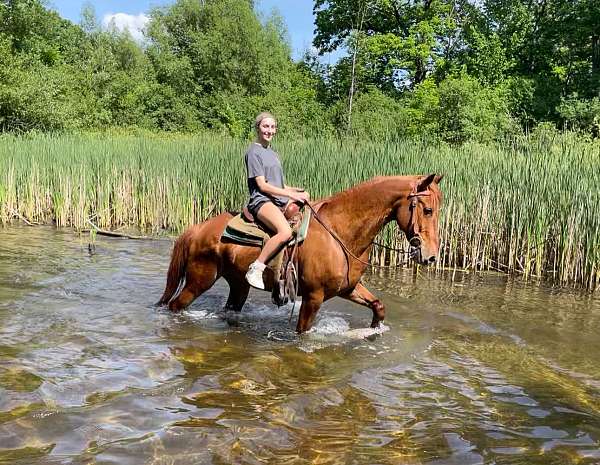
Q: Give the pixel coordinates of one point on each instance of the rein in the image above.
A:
(411, 225)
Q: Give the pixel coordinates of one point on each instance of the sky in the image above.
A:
(133, 14)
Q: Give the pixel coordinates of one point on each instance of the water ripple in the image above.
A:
(466, 370)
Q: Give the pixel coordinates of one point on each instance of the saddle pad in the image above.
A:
(243, 232)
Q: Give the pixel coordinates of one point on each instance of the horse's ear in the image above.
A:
(425, 182)
(438, 178)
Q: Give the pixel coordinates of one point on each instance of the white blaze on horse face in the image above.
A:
(420, 215)
(429, 230)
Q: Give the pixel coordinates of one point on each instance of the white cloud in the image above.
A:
(122, 21)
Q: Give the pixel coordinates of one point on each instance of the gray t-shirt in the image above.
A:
(265, 162)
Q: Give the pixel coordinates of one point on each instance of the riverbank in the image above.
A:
(527, 207)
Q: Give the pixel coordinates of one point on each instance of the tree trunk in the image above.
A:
(353, 79)
(595, 53)
(420, 72)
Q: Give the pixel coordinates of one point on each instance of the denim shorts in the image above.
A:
(253, 209)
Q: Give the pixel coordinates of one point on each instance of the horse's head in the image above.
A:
(417, 215)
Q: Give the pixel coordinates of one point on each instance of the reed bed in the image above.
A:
(530, 206)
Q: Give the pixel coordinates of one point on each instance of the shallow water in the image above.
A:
(469, 370)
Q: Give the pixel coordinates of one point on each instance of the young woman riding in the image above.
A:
(269, 196)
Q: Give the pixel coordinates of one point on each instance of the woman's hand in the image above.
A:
(298, 195)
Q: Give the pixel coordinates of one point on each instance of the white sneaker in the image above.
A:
(254, 276)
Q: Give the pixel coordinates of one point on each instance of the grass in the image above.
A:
(529, 207)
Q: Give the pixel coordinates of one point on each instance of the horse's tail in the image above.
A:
(177, 268)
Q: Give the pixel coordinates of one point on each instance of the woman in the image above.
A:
(269, 195)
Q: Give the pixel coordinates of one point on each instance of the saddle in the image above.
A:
(280, 276)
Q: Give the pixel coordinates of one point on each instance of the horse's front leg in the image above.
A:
(308, 310)
(362, 296)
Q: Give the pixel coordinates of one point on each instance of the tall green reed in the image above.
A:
(528, 207)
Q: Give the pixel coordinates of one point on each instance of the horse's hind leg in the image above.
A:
(200, 277)
(238, 292)
(362, 296)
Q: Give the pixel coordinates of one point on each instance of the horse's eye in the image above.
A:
(428, 211)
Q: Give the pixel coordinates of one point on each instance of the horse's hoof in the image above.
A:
(231, 308)
(174, 309)
(376, 324)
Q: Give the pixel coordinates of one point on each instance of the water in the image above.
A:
(471, 370)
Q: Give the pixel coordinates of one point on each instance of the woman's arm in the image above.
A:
(297, 189)
(291, 192)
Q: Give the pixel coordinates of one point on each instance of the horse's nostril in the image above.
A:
(415, 242)
(431, 260)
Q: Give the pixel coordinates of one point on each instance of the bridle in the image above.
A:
(415, 240)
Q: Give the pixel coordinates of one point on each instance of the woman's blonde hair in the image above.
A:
(260, 117)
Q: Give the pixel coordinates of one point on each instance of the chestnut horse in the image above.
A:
(333, 257)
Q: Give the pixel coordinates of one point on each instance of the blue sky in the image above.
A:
(297, 14)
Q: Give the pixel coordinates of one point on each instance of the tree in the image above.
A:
(39, 33)
(227, 64)
(224, 45)
(552, 44)
(401, 43)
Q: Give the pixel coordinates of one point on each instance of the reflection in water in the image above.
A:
(470, 370)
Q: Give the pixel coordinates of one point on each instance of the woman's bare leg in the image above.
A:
(273, 218)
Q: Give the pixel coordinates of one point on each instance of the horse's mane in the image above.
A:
(360, 188)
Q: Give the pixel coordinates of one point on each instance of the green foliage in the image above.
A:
(38, 33)
(221, 60)
(470, 111)
(520, 96)
(581, 115)
(416, 115)
(35, 96)
(456, 70)
(224, 44)
(532, 53)
(457, 110)
(399, 43)
(375, 116)
(487, 58)
(295, 105)
(553, 44)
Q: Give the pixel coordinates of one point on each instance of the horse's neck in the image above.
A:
(358, 215)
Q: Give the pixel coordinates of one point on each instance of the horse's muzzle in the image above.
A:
(417, 252)
(422, 259)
